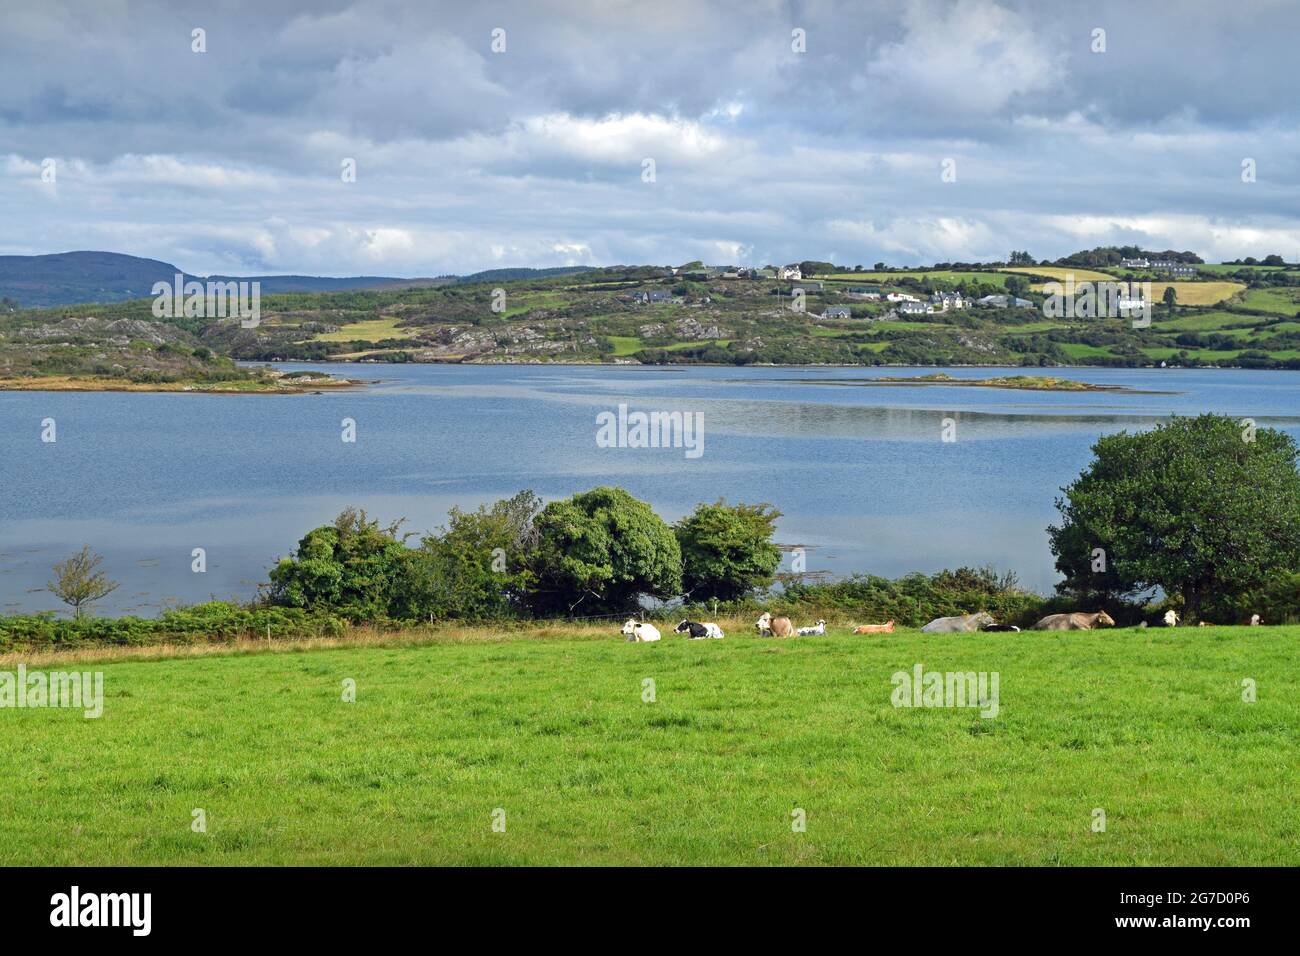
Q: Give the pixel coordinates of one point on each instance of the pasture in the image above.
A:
(554, 728)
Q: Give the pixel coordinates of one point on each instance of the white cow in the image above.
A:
(764, 624)
(1254, 620)
(818, 628)
(635, 630)
(1171, 619)
(713, 629)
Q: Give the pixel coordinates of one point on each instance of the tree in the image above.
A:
(353, 566)
(78, 581)
(1017, 286)
(1205, 508)
(600, 551)
(727, 551)
(1170, 298)
(477, 568)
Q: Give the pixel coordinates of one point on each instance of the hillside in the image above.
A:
(1232, 316)
(68, 278)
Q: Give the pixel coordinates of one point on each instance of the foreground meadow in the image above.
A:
(1148, 726)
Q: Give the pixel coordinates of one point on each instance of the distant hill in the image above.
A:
(70, 278)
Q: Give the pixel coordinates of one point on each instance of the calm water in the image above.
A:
(863, 479)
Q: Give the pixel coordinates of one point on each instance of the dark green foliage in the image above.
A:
(600, 552)
(916, 599)
(727, 550)
(212, 622)
(1205, 508)
(354, 567)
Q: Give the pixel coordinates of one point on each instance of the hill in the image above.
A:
(69, 278)
(1241, 317)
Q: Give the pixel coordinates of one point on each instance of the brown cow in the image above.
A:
(1078, 621)
(887, 628)
(781, 627)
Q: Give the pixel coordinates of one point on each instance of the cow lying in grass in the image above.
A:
(818, 628)
(886, 628)
(698, 631)
(1077, 621)
(634, 630)
(961, 624)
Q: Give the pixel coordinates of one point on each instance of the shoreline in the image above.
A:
(69, 383)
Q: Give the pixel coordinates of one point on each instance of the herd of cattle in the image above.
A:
(769, 626)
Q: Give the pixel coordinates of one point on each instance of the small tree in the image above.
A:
(78, 581)
(727, 551)
(1170, 299)
(1205, 508)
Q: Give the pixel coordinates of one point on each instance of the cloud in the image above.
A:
(468, 158)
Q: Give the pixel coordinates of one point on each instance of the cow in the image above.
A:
(781, 627)
(698, 631)
(962, 624)
(818, 628)
(764, 624)
(1171, 619)
(1254, 620)
(886, 628)
(637, 631)
(1076, 621)
(1001, 627)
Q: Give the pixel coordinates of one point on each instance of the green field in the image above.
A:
(1283, 301)
(939, 276)
(1149, 726)
(369, 330)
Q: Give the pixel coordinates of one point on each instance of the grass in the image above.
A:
(369, 330)
(1189, 293)
(1058, 273)
(1283, 301)
(940, 276)
(1148, 725)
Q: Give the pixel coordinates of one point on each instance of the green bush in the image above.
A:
(727, 550)
(599, 552)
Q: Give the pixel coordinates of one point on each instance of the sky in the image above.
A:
(601, 132)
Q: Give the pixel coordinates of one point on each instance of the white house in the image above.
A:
(901, 297)
(791, 272)
(943, 301)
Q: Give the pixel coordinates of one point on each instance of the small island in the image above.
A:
(1028, 383)
(259, 382)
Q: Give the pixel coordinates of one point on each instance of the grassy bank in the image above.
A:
(550, 726)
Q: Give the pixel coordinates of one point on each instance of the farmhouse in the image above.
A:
(791, 272)
(837, 312)
(1135, 263)
(943, 301)
(1169, 267)
(912, 307)
(651, 296)
(900, 297)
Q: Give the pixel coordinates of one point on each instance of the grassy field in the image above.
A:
(940, 276)
(1149, 726)
(1282, 301)
(1189, 293)
(368, 330)
(1059, 273)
